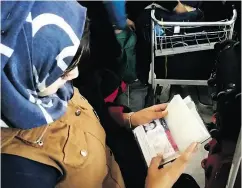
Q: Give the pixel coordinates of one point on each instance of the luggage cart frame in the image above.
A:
(163, 45)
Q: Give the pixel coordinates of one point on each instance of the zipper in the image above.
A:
(40, 141)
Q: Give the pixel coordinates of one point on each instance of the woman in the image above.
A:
(54, 138)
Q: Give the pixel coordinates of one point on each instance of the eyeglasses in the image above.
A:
(72, 66)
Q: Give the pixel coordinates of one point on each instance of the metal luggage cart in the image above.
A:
(186, 37)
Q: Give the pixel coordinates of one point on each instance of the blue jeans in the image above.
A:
(19, 172)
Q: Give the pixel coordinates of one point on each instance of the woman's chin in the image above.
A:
(47, 92)
(53, 88)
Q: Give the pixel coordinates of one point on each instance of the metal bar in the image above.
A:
(180, 50)
(231, 31)
(219, 23)
(235, 164)
(196, 39)
(181, 82)
(152, 53)
(208, 38)
(203, 33)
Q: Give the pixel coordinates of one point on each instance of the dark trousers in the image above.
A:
(19, 172)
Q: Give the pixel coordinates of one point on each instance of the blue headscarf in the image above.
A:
(38, 42)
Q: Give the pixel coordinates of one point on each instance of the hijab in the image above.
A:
(38, 42)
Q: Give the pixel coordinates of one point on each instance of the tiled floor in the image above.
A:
(194, 168)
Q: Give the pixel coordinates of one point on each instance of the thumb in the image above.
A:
(155, 162)
(159, 107)
(133, 26)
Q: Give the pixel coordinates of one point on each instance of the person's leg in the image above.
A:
(19, 172)
(129, 158)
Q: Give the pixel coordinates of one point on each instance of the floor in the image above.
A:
(206, 111)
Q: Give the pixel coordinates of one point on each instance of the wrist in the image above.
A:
(128, 120)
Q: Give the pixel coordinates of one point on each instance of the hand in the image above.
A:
(167, 176)
(180, 8)
(130, 24)
(148, 114)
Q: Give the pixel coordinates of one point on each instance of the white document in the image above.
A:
(177, 29)
(173, 134)
(185, 125)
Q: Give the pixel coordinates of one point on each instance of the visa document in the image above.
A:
(157, 139)
(173, 134)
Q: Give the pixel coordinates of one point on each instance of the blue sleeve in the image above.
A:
(117, 13)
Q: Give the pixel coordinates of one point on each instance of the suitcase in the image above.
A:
(226, 80)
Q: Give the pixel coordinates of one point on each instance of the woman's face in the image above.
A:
(60, 82)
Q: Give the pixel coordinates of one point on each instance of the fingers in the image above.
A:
(178, 166)
(187, 154)
(155, 162)
(190, 150)
(130, 24)
(159, 107)
(158, 115)
(133, 26)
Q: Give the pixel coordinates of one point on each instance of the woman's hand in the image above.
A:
(148, 114)
(167, 176)
(181, 8)
(138, 118)
(130, 24)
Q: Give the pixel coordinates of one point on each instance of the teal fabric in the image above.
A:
(127, 60)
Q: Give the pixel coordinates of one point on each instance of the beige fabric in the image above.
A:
(180, 8)
(74, 144)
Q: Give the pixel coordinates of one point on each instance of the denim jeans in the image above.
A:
(19, 172)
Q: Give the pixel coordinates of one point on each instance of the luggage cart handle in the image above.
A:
(187, 24)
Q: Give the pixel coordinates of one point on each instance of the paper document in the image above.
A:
(173, 134)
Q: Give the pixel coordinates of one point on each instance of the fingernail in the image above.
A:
(159, 155)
